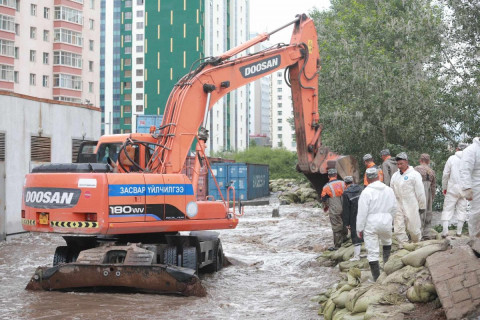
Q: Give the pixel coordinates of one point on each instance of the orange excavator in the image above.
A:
(122, 212)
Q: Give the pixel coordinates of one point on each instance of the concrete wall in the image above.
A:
(25, 116)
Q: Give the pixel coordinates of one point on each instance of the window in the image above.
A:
(128, 15)
(279, 74)
(33, 9)
(67, 99)
(17, 29)
(139, 60)
(127, 73)
(127, 97)
(279, 97)
(67, 81)
(139, 25)
(92, 4)
(46, 13)
(40, 149)
(33, 33)
(127, 120)
(128, 50)
(128, 26)
(7, 48)
(46, 35)
(33, 79)
(6, 72)
(279, 105)
(45, 58)
(67, 59)
(139, 2)
(7, 23)
(139, 13)
(45, 81)
(17, 4)
(90, 87)
(90, 45)
(128, 62)
(279, 112)
(279, 89)
(139, 96)
(16, 54)
(139, 49)
(91, 22)
(279, 120)
(279, 81)
(90, 65)
(128, 4)
(15, 76)
(68, 36)
(68, 14)
(127, 85)
(139, 84)
(139, 72)
(279, 136)
(33, 55)
(279, 128)
(128, 38)
(8, 3)
(127, 109)
(139, 108)
(139, 36)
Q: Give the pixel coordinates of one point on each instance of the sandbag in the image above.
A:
(356, 316)
(339, 313)
(374, 295)
(421, 244)
(404, 276)
(353, 296)
(328, 310)
(340, 299)
(353, 276)
(321, 298)
(348, 253)
(388, 312)
(359, 264)
(338, 254)
(346, 287)
(395, 263)
(418, 257)
(423, 289)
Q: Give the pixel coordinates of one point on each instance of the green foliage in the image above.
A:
(282, 162)
(379, 85)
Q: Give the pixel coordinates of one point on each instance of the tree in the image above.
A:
(378, 84)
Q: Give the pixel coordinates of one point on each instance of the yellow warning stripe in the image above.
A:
(74, 224)
(28, 222)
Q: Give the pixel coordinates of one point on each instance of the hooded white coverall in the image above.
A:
(410, 194)
(470, 179)
(454, 201)
(376, 209)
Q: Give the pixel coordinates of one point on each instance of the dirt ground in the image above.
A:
(426, 311)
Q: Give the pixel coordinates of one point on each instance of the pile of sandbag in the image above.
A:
(404, 281)
(292, 191)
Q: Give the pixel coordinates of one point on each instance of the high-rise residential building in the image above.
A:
(150, 45)
(283, 135)
(260, 105)
(50, 49)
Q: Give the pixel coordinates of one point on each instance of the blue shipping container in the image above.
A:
(249, 180)
(144, 122)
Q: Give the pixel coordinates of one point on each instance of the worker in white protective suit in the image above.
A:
(376, 209)
(470, 182)
(454, 202)
(411, 202)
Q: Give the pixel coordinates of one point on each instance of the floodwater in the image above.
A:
(274, 275)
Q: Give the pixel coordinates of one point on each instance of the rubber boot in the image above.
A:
(459, 228)
(356, 252)
(445, 228)
(386, 253)
(375, 268)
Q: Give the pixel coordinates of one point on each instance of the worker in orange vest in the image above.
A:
(368, 159)
(331, 198)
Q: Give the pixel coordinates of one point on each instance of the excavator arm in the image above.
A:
(196, 93)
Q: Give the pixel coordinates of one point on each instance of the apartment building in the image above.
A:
(283, 134)
(149, 45)
(50, 49)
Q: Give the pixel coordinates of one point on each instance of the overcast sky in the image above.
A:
(268, 15)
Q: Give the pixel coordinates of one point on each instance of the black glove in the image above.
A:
(421, 211)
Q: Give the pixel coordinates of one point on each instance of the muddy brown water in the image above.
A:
(273, 276)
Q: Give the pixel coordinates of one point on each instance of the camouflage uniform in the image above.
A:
(430, 185)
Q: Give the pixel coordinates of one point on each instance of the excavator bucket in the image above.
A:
(133, 271)
(347, 166)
